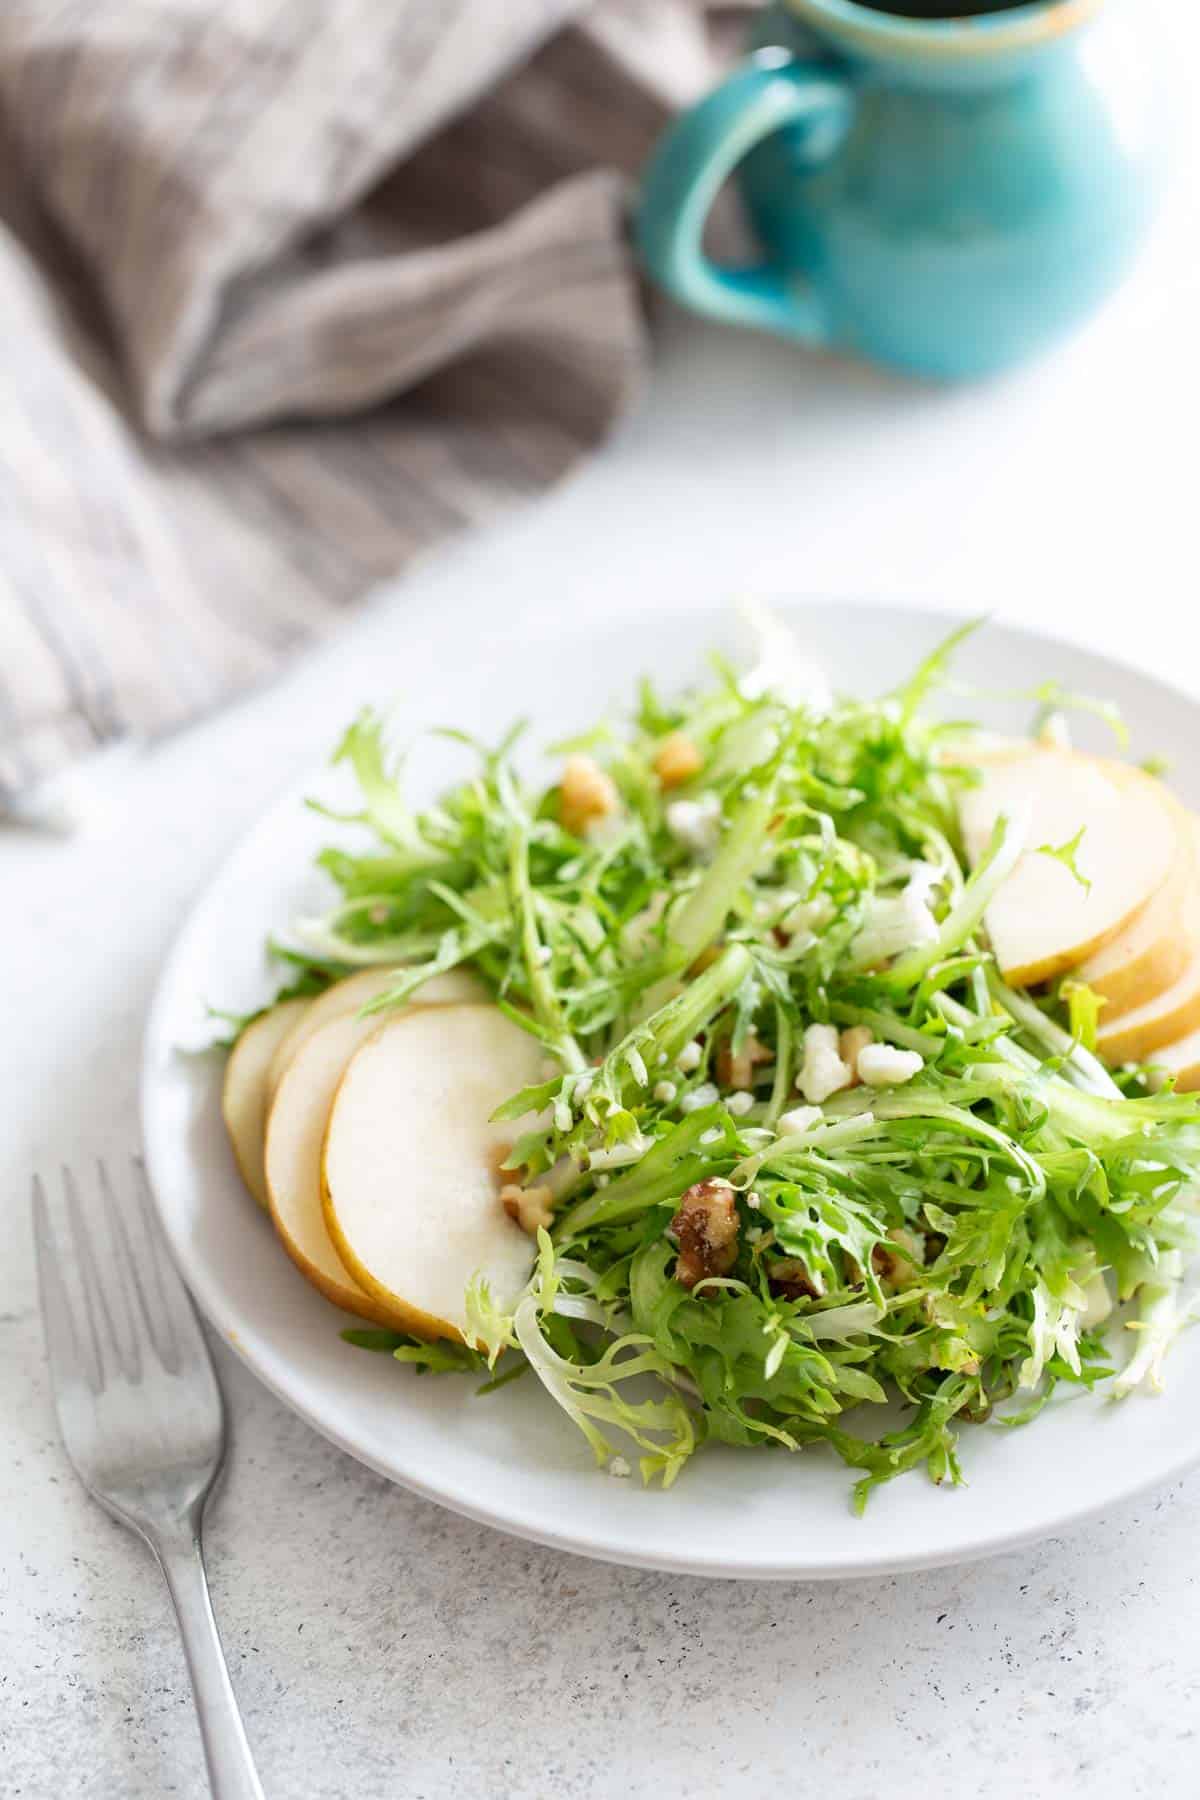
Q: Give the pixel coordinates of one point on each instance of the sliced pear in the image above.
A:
(357, 991)
(1182, 1060)
(244, 1094)
(296, 1124)
(1137, 1034)
(1150, 953)
(1043, 920)
(410, 1185)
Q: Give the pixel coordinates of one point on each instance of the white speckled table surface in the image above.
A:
(381, 1647)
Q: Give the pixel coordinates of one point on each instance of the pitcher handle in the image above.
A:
(692, 160)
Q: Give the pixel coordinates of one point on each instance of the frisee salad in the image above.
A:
(800, 1158)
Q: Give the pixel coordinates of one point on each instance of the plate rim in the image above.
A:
(210, 1299)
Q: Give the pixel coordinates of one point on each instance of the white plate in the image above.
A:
(512, 1460)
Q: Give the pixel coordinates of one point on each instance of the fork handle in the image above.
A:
(231, 1771)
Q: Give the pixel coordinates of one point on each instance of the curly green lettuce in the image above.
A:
(768, 869)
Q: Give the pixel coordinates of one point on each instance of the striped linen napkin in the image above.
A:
(291, 291)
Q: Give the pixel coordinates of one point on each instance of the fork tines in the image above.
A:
(114, 1308)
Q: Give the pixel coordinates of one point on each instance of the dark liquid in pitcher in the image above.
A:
(941, 9)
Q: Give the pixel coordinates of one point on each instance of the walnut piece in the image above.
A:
(531, 1207)
(706, 1225)
(788, 1277)
(587, 793)
(735, 1069)
(677, 760)
(853, 1040)
(899, 1268)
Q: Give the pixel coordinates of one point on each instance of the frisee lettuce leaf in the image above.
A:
(1067, 854)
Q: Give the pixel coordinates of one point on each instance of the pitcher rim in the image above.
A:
(983, 34)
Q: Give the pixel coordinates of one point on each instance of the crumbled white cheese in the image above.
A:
(882, 1065)
(800, 1118)
(711, 1136)
(822, 1072)
(620, 1468)
(690, 1057)
(739, 1104)
(754, 1200)
(665, 1092)
(894, 925)
(696, 824)
(704, 1095)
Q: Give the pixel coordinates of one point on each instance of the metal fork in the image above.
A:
(141, 1417)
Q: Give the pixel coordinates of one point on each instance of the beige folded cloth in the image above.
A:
(290, 290)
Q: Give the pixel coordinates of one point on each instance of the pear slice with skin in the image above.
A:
(410, 1177)
(1139, 1033)
(295, 1133)
(1044, 920)
(1150, 954)
(356, 991)
(244, 1093)
(1182, 1060)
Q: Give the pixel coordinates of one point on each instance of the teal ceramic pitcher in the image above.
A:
(947, 196)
